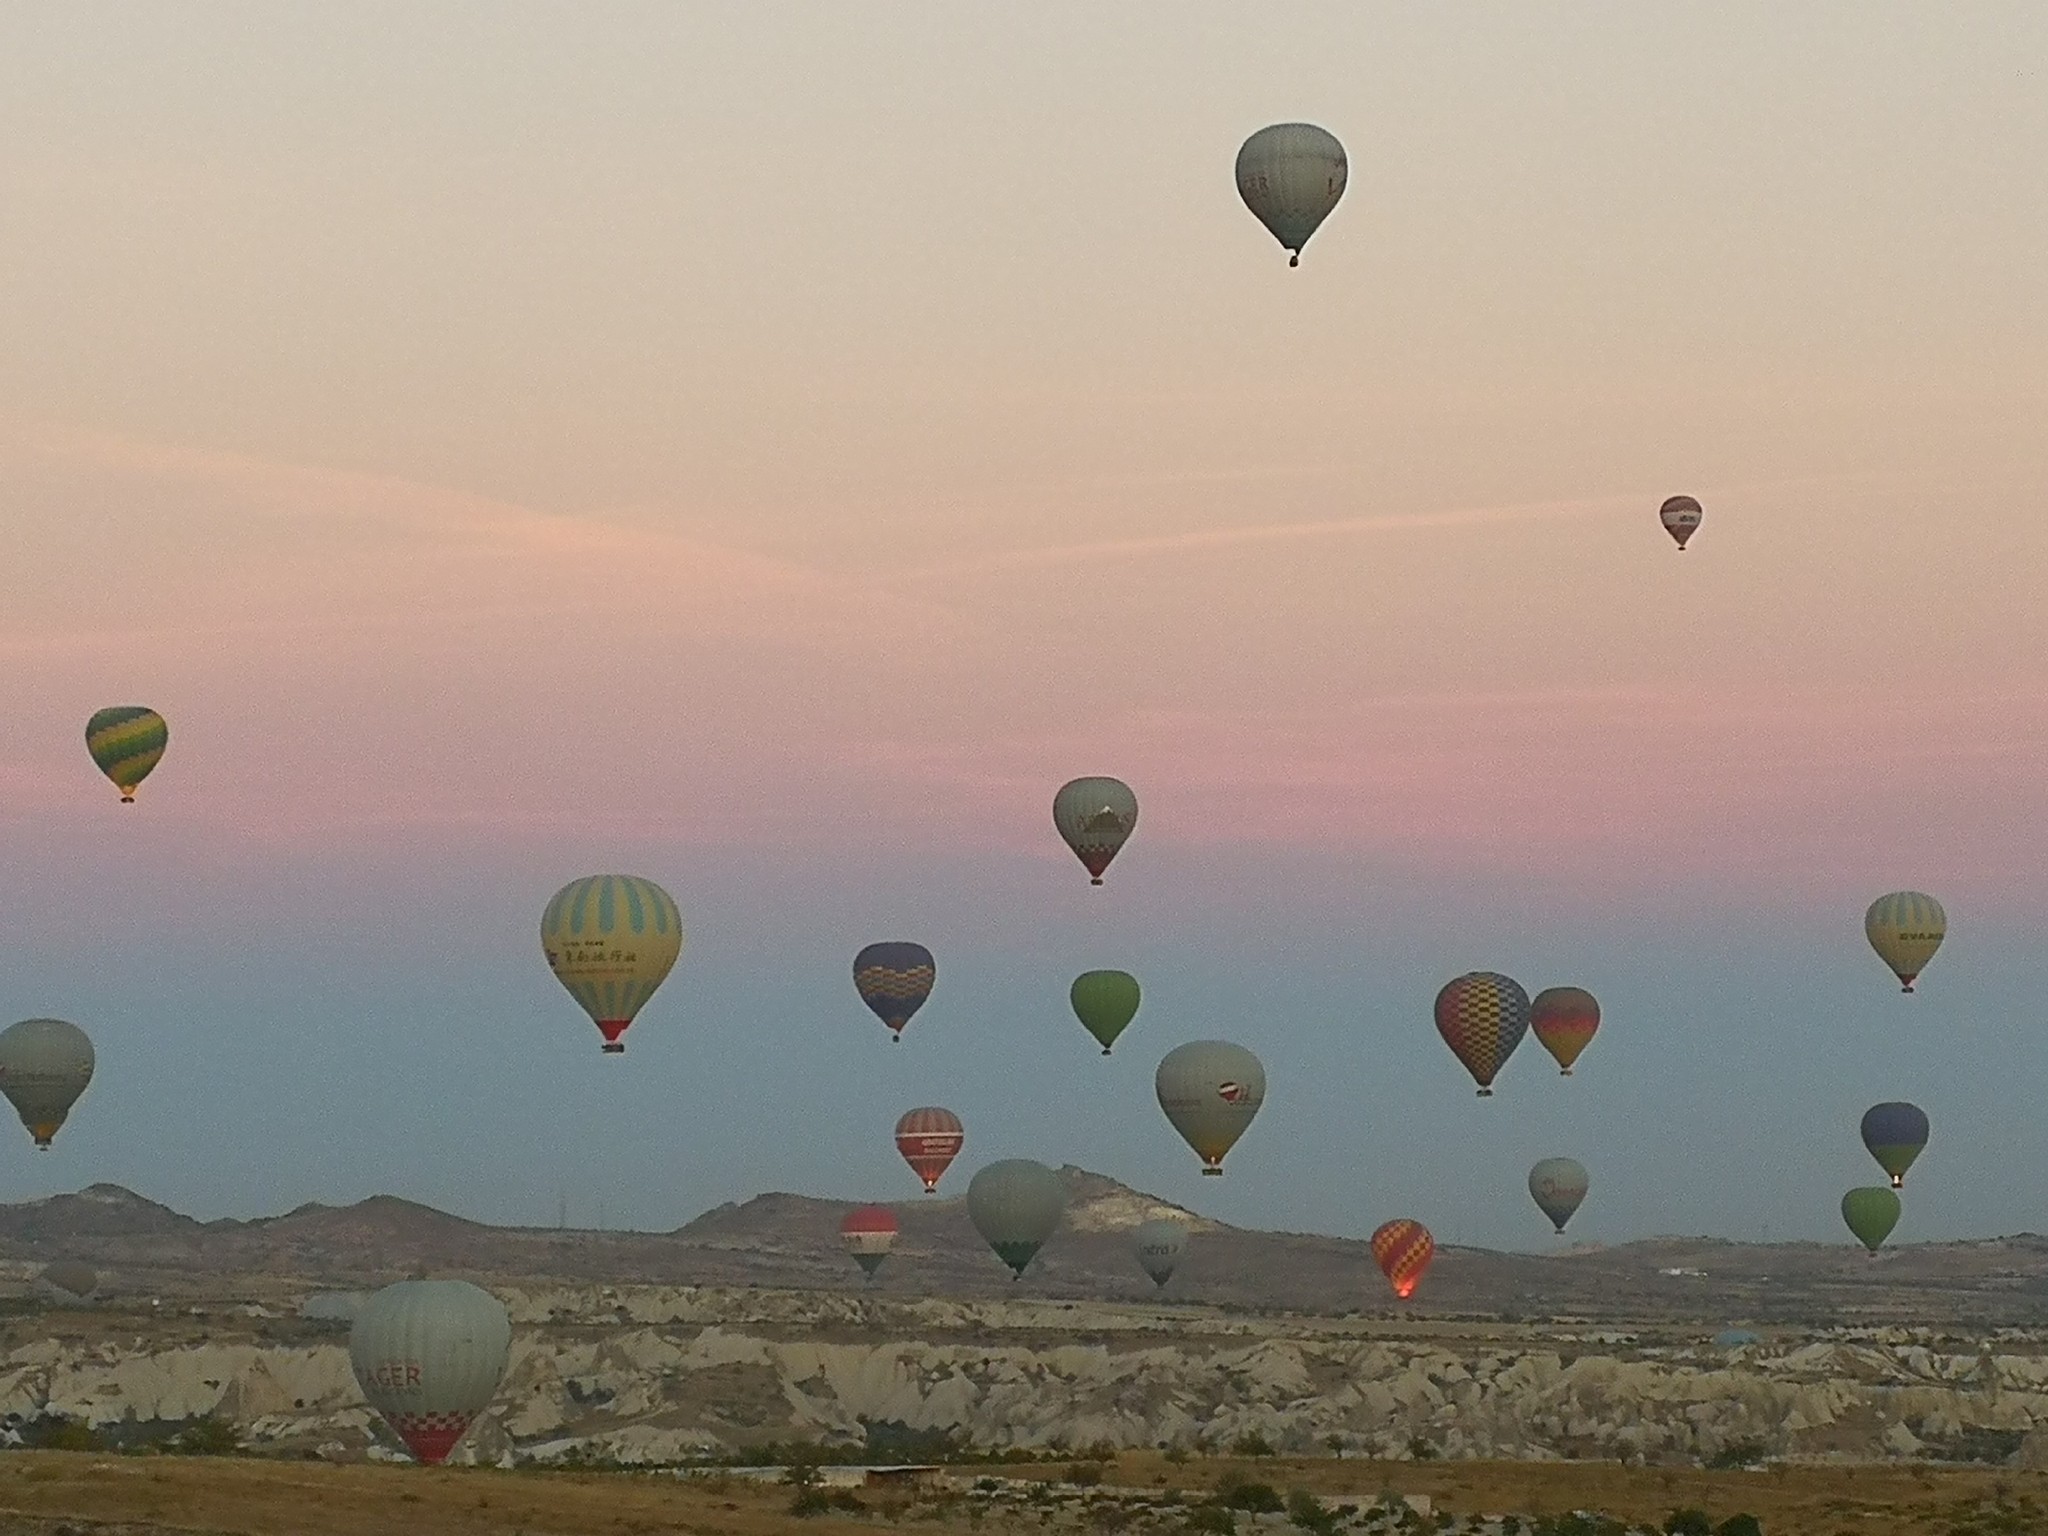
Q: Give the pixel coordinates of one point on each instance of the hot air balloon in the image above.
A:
(894, 980)
(429, 1355)
(1160, 1244)
(1680, 516)
(1905, 928)
(1096, 817)
(1290, 175)
(1105, 1002)
(1564, 1020)
(1482, 1017)
(1871, 1213)
(611, 940)
(1403, 1249)
(69, 1283)
(1557, 1185)
(929, 1139)
(1016, 1205)
(126, 741)
(44, 1067)
(868, 1234)
(1895, 1133)
(1210, 1089)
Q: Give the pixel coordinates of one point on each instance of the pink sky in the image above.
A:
(1540, 684)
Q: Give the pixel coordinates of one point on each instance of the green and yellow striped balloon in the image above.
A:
(611, 940)
(126, 741)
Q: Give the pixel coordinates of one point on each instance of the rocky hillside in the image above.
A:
(659, 1374)
(791, 1241)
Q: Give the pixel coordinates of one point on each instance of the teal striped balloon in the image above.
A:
(611, 940)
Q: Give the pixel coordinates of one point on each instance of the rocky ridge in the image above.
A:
(660, 1375)
(791, 1242)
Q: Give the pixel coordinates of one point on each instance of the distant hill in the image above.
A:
(789, 1240)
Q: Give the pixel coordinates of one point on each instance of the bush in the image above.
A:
(1688, 1522)
(205, 1436)
(894, 1440)
(1421, 1449)
(60, 1435)
(1743, 1453)
(1252, 1444)
(1252, 1498)
(1307, 1511)
(1211, 1520)
(822, 1501)
(1579, 1524)
(1176, 1455)
(1740, 1525)
(1084, 1474)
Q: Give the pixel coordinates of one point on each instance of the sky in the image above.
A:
(768, 448)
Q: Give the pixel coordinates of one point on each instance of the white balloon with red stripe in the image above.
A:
(868, 1234)
(429, 1355)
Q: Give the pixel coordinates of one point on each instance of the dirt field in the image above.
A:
(44, 1492)
(1790, 1501)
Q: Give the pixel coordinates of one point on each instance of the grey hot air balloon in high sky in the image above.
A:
(1210, 1089)
(1095, 816)
(429, 1355)
(1290, 175)
(1016, 1205)
(44, 1067)
(1159, 1245)
(1558, 1185)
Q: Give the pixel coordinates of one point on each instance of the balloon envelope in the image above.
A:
(1905, 928)
(126, 741)
(69, 1282)
(894, 979)
(1558, 1185)
(1210, 1090)
(1159, 1244)
(44, 1067)
(1895, 1133)
(868, 1234)
(929, 1139)
(1680, 516)
(1105, 1002)
(1564, 1019)
(1291, 175)
(611, 940)
(1871, 1213)
(1016, 1205)
(1482, 1016)
(429, 1355)
(1403, 1249)
(1096, 817)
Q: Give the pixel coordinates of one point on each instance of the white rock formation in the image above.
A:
(664, 1374)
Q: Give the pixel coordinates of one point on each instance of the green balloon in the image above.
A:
(1105, 1002)
(1871, 1212)
(1015, 1205)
